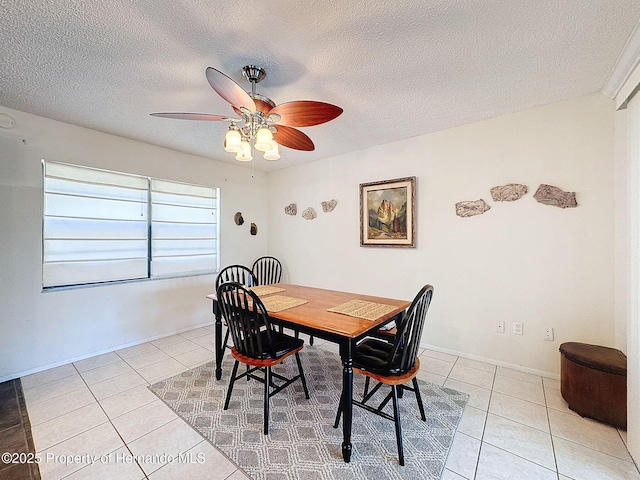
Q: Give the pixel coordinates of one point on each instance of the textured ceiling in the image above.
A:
(397, 68)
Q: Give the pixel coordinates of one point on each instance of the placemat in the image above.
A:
(265, 290)
(363, 309)
(277, 303)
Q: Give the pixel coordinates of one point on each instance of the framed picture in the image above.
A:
(387, 213)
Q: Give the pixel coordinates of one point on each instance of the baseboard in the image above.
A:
(478, 358)
(513, 366)
(100, 352)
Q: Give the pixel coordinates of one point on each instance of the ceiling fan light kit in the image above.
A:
(232, 140)
(261, 124)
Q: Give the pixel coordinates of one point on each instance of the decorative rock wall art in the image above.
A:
(254, 229)
(291, 209)
(238, 218)
(469, 209)
(509, 192)
(309, 214)
(556, 197)
(329, 206)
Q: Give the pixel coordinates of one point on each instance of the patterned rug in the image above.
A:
(302, 443)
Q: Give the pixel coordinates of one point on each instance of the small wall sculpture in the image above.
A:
(238, 218)
(470, 209)
(254, 229)
(556, 197)
(329, 206)
(509, 192)
(309, 214)
(291, 209)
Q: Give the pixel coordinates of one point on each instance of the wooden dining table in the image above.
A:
(314, 318)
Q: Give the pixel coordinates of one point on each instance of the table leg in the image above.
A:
(347, 398)
(219, 350)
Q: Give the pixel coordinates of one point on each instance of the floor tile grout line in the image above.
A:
(93, 368)
(627, 447)
(520, 423)
(46, 383)
(484, 428)
(520, 456)
(138, 355)
(149, 365)
(121, 375)
(79, 408)
(114, 428)
(479, 449)
(51, 398)
(553, 446)
(629, 460)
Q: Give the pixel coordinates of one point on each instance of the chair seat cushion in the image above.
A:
(372, 355)
(282, 343)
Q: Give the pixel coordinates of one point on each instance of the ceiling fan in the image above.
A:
(259, 120)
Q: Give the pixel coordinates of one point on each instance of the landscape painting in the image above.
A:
(387, 213)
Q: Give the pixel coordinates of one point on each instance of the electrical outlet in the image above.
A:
(500, 326)
(548, 334)
(517, 328)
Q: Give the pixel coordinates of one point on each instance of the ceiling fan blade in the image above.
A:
(305, 113)
(292, 138)
(229, 90)
(196, 116)
(263, 106)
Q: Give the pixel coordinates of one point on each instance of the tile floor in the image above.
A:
(516, 425)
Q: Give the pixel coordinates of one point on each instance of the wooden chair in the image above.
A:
(256, 343)
(393, 363)
(235, 273)
(268, 270)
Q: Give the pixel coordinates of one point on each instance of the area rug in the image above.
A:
(302, 443)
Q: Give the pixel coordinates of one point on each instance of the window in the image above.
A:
(102, 226)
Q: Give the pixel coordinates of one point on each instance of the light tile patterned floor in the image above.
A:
(516, 425)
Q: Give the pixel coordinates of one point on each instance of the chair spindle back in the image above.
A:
(409, 332)
(236, 273)
(267, 270)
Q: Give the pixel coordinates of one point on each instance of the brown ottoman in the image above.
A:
(593, 382)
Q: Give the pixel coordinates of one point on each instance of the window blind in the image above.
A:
(101, 226)
(184, 228)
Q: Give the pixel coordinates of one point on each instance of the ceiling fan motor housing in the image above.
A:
(253, 73)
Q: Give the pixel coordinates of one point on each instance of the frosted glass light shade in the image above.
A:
(263, 139)
(272, 153)
(244, 155)
(232, 141)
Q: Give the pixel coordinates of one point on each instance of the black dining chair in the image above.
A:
(235, 273)
(393, 363)
(256, 343)
(268, 270)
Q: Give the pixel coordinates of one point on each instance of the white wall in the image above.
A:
(39, 330)
(628, 245)
(520, 261)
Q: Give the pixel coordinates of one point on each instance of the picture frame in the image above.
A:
(387, 213)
